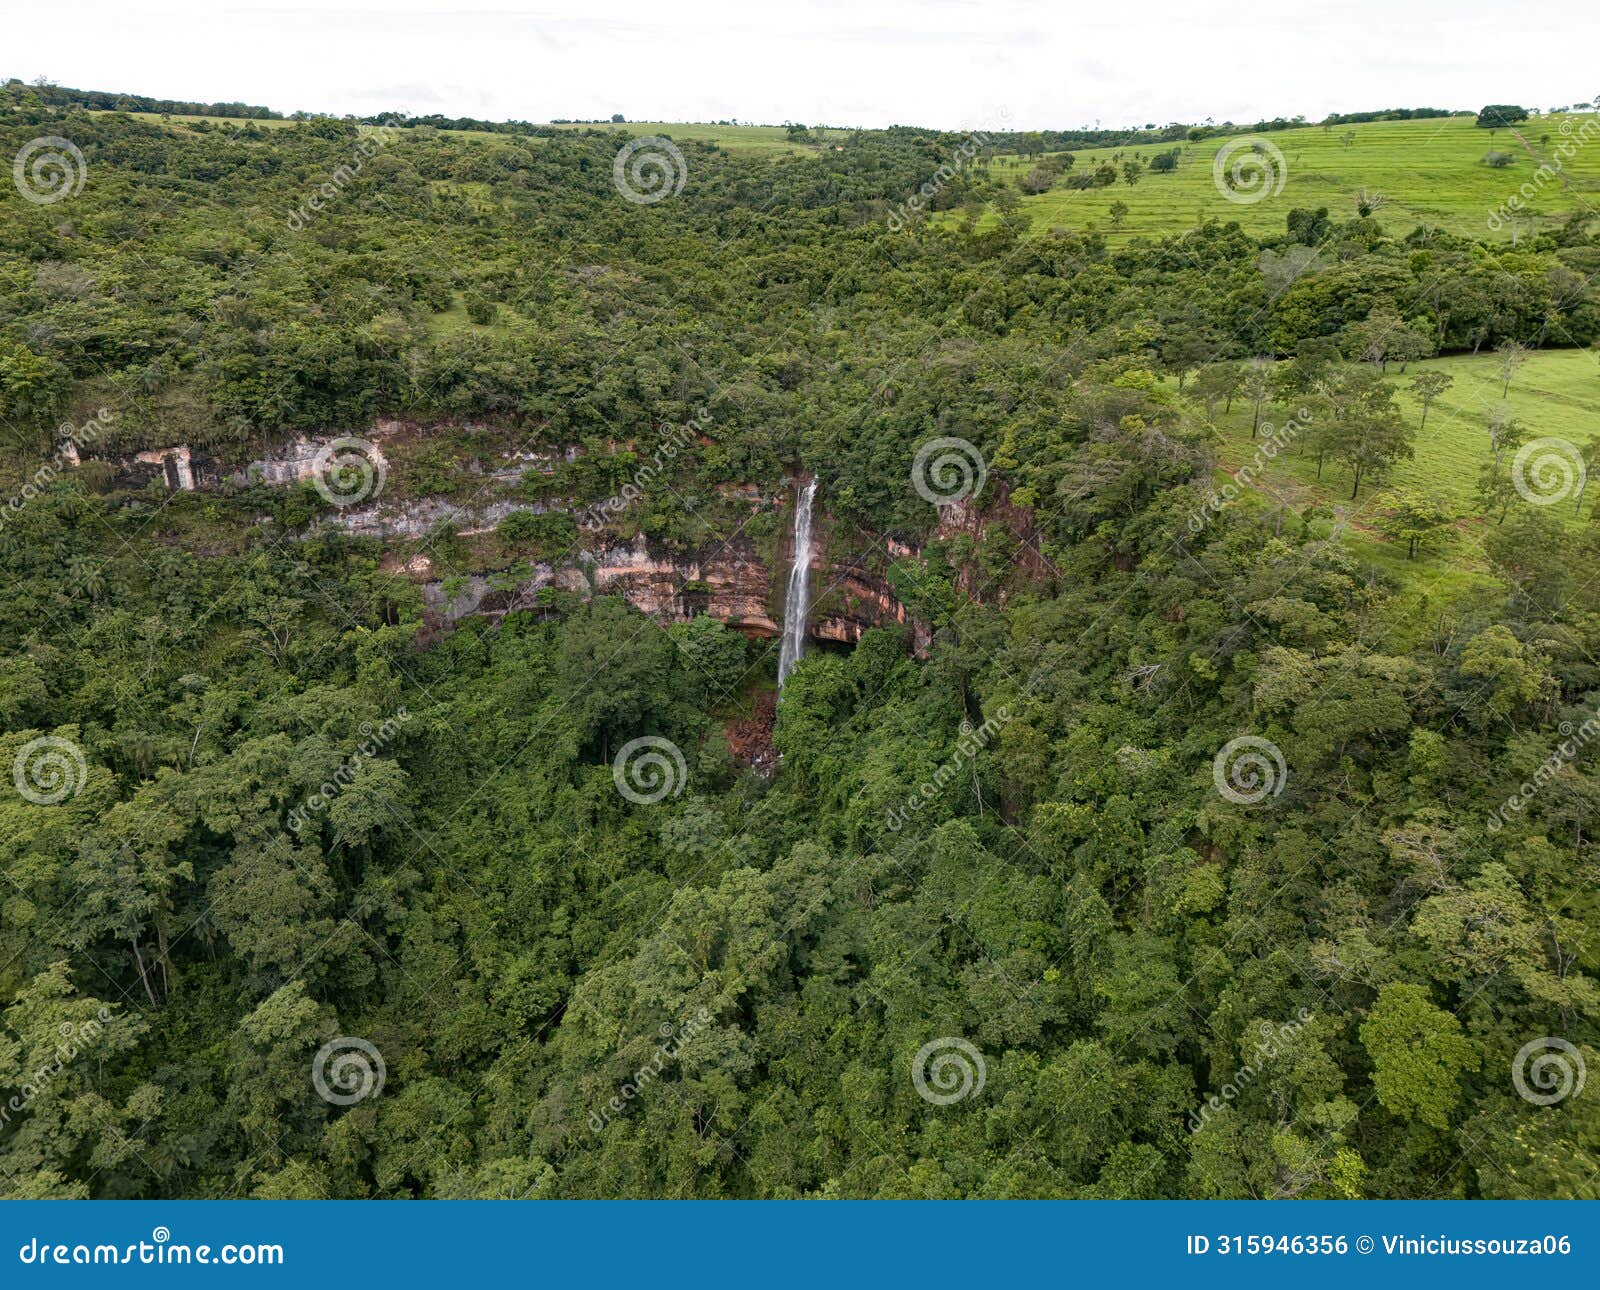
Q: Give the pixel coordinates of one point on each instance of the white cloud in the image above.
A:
(949, 63)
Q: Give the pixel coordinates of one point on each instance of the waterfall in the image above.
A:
(797, 602)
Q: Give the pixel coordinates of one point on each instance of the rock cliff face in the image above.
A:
(730, 581)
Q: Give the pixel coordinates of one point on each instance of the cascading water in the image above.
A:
(797, 601)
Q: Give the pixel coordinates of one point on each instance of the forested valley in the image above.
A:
(1164, 842)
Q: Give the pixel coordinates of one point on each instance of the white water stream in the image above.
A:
(797, 601)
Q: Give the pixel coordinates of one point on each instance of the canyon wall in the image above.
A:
(731, 581)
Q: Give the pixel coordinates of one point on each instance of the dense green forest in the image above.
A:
(1170, 850)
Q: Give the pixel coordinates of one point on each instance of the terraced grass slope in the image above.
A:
(1429, 172)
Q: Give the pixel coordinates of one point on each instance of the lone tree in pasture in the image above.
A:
(1494, 490)
(1370, 440)
(1214, 384)
(1256, 385)
(1513, 354)
(1428, 386)
(1499, 114)
(1119, 212)
(1413, 519)
(1355, 421)
(1506, 433)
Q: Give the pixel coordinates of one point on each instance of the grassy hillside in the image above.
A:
(735, 138)
(770, 139)
(1555, 393)
(1429, 172)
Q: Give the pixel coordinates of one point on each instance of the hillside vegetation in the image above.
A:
(1216, 825)
(1430, 172)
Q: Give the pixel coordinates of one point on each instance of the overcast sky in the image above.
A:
(957, 64)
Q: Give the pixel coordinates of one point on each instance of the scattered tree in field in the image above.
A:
(1119, 212)
(1131, 170)
(1214, 384)
(1499, 160)
(1355, 422)
(1413, 519)
(1428, 386)
(1500, 114)
(1256, 386)
(1513, 354)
